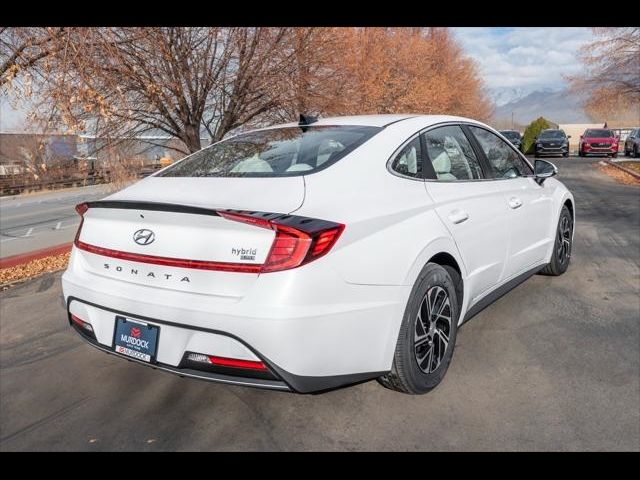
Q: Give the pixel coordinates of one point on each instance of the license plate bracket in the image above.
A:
(136, 339)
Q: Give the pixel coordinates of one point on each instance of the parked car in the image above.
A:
(312, 255)
(598, 141)
(632, 143)
(552, 143)
(514, 137)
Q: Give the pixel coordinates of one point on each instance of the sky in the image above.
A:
(527, 58)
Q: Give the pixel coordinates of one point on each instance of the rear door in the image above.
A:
(529, 205)
(472, 208)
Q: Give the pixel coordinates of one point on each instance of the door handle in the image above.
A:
(458, 216)
(515, 203)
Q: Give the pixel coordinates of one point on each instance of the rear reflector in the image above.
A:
(226, 362)
(81, 323)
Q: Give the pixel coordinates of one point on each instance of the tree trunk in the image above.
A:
(192, 138)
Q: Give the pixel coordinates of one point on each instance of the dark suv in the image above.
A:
(514, 137)
(632, 143)
(553, 143)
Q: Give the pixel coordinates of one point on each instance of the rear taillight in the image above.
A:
(292, 246)
(81, 208)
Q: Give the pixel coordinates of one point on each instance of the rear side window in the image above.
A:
(278, 152)
(503, 158)
(451, 154)
(409, 161)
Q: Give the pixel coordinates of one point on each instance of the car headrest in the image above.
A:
(299, 167)
(442, 163)
(252, 165)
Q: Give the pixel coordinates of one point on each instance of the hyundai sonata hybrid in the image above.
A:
(312, 255)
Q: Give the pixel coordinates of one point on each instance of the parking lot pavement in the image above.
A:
(34, 221)
(553, 365)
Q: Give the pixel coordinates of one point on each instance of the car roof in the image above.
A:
(380, 120)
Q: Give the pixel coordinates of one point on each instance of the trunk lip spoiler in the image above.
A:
(152, 206)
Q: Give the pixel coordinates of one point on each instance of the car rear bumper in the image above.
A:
(307, 348)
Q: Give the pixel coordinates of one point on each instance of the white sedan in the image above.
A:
(312, 255)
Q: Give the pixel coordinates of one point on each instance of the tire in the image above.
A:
(635, 151)
(433, 288)
(626, 152)
(580, 153)
(561, 255)
(614, 155)
(565, 155)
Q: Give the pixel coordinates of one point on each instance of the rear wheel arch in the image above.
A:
(569, 203)
(449, 263)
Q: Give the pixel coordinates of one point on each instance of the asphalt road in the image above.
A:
(553, 365)
(34, 221)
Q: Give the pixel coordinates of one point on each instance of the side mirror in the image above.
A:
(543, 170)
(568, 136)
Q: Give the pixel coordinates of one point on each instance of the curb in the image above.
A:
(27, 257)
(624, 169)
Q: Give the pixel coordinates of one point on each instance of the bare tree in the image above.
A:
(611, 75)
(22, 48)
(123, 82)
(188, 82)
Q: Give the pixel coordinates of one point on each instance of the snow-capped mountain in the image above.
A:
(502, 96)
(558, 106)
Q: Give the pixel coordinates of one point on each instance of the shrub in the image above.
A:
(532, 131)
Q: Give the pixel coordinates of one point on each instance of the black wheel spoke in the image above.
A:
(563, 240)
(433, 324)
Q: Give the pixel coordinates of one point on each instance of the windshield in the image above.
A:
(511, 135)
(277, 152)
(555, 134)
(598, 133)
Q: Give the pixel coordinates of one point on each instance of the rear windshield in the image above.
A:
(552, 134)
(598, 133)
(277, 152)
(511, 135)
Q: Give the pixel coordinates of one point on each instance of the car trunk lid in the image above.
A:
(181, 242)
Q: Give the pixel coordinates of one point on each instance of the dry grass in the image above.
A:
(619, 175)
(635, 166)
(12, 275)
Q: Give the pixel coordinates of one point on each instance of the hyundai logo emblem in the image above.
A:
(144, 237)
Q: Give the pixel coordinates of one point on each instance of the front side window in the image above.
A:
(503, 158)
(276, 152)
(409, 161)
(451, 154)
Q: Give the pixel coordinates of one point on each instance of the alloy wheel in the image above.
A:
(432, 329)
(563, 249)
